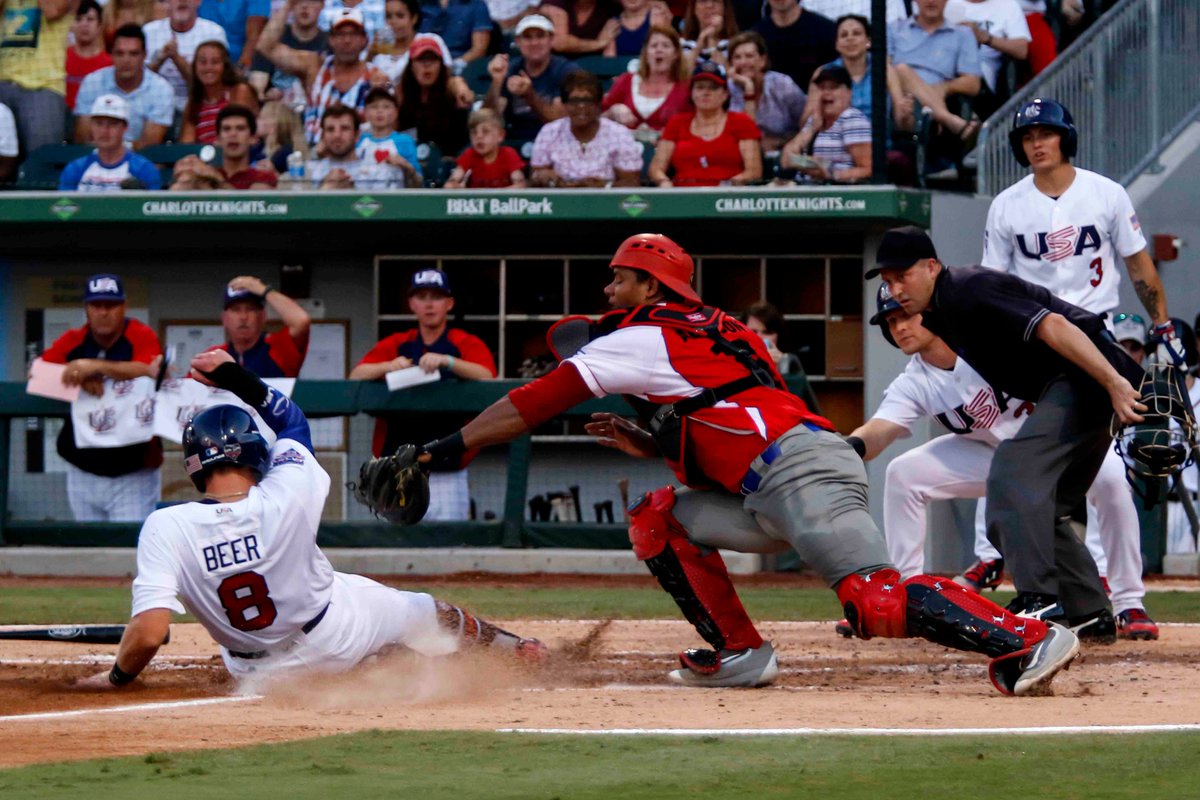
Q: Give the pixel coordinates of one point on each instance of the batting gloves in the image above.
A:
(1170, 347)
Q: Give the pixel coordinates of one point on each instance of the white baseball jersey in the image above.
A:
(1070, 244)
(959, 398)
(250, 571)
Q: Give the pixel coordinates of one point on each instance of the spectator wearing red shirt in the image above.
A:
(107, 484)
(487, 164)
(712, 145)
(648, 98)
(236, 128)
(432, 345)
(274, 355)
(88, 53)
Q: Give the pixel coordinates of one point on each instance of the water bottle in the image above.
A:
(295, 169)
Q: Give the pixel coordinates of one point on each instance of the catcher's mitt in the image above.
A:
(394, 487)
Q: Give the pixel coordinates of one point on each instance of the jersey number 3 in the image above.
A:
(242, 592)
(1097, 266)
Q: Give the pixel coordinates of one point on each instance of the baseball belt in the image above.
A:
(306, 628)
(752, 480)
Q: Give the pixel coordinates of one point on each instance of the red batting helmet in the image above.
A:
(662, 258)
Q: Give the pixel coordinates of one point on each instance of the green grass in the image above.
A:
(464, 766)
(19, 605)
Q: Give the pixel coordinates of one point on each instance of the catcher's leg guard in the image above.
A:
(936, 609)
(694, 576)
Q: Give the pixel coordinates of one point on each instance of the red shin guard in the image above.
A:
(874, 604)
(695, 577)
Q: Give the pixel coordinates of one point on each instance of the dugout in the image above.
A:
(519, 260)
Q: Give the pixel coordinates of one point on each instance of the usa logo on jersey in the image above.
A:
(1060, 244)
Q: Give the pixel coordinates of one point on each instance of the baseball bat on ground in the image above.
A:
(79, 634)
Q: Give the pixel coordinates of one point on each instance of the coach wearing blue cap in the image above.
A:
(107, 484)
(267, 355)
(432, 345)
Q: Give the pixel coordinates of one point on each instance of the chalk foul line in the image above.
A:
(1050, 730)
(140, 707)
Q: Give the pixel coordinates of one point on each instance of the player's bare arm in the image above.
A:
(876, 435)
(1148, 285)
(1073, 344)
(144, 634)
(612, 430)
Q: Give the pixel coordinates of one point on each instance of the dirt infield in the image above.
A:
(826, 682)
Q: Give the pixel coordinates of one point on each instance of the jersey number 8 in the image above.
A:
(242, 592)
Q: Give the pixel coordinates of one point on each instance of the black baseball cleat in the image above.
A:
(843, 628)
(982, 575)
(1098, 627)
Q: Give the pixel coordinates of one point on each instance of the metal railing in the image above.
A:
(1131, 84)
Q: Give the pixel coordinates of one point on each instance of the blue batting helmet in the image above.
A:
(884, 305)
(1046, 114)
(223, 435)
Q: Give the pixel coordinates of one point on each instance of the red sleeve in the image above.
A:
(512, 160)
(677, 127)
(743, 126)
(145, 343)
(544, 399)
(679, 101)
(285, 352)
(473, 349)
(619, 93)
(269, 178)
(58, 352)
(387, 349)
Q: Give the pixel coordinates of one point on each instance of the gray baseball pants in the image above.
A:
(812, 498)
(1037, 479)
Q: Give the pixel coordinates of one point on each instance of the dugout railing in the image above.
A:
(320, 399)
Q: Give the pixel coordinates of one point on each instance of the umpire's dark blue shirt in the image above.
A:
(991, 318)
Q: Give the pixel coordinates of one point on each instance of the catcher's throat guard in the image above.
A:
(1165, 442)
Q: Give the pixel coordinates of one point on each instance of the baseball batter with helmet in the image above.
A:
(1064, 228)
(1032, 346)
(763, 473)
(245, 561)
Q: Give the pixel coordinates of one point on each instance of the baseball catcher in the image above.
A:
(763, 473)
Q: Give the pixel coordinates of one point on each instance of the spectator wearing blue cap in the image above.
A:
(432, 345)
(108, 484)
(267, 355)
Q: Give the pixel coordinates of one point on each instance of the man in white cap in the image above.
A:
(527, 90)
(339, 79)
(1130, 332)
(111, 166)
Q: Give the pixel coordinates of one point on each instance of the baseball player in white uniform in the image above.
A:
(245, 562)
(1063, 228)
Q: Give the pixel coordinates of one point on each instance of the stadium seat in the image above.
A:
(42, 167)
(605, 67)
(477, 77)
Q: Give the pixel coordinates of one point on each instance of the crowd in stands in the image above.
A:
(388, 94)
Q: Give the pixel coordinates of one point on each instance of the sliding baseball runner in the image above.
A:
(244, 560)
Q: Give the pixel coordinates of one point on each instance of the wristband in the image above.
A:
(447, 450)
(858, 444)
(266, 291)
(450, 362)
(119, 677)
(243, 383)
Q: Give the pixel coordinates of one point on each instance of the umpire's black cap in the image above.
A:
(901, 248)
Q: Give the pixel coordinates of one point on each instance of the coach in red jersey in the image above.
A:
(106, 484)
(763, 473)
(267, 355)
(432, 345)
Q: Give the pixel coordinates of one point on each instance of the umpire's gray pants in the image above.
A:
(813, 498)
(1037, 479)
